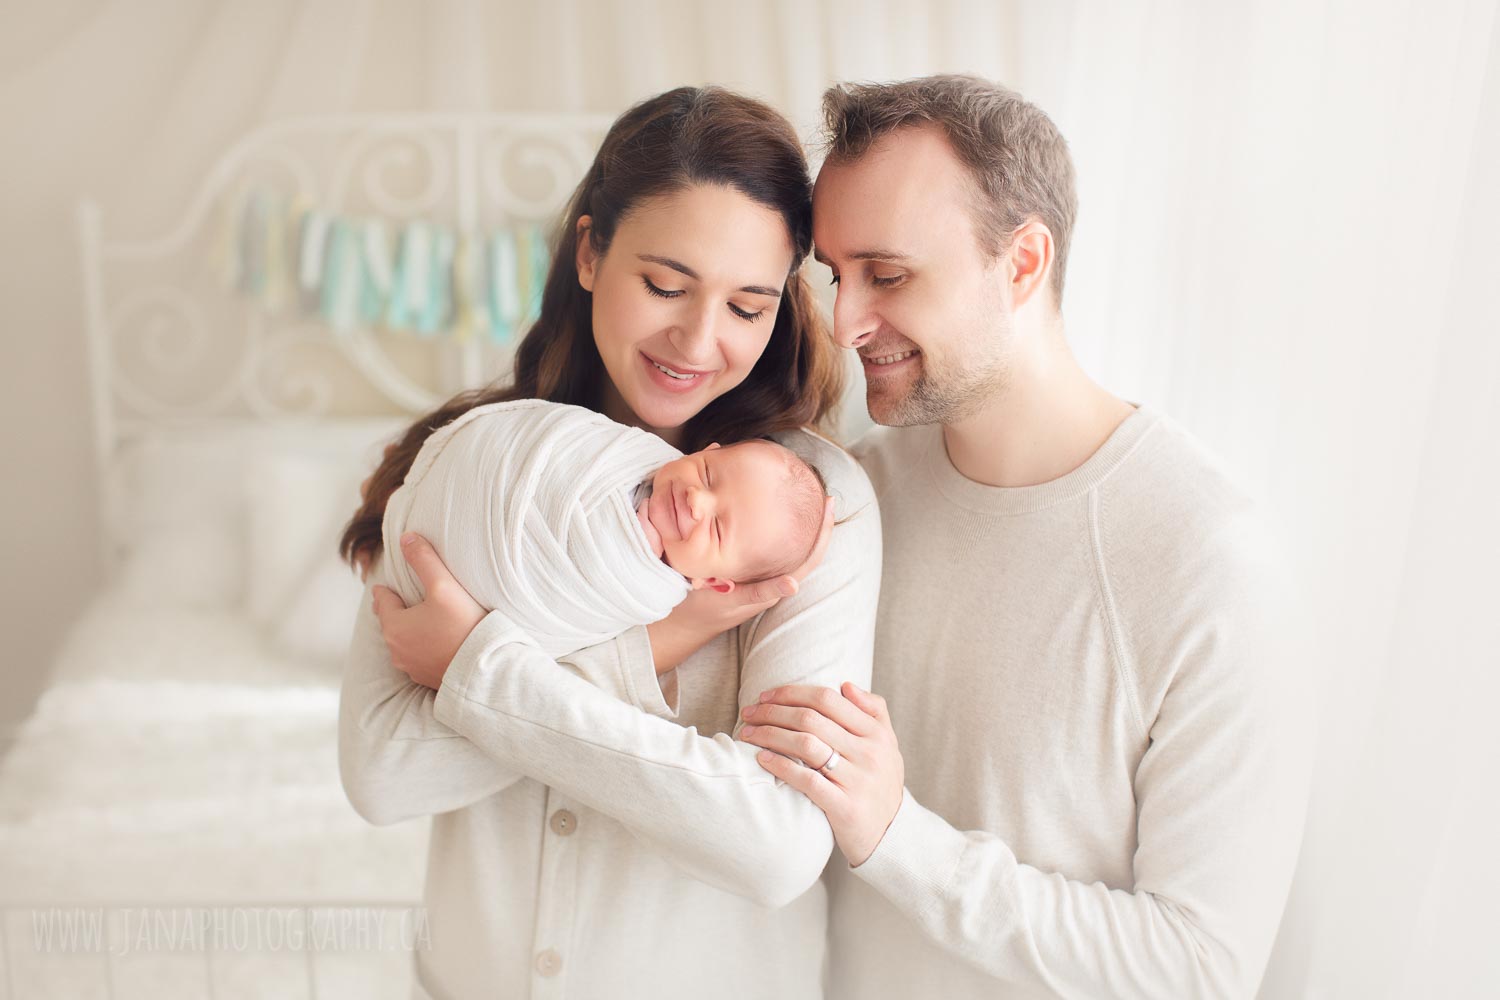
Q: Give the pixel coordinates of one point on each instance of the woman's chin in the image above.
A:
(667, 412)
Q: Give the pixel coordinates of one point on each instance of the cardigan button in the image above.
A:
(563, 823)
(548, 963)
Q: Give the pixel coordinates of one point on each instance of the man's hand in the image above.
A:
(861, 793)
(424, 638)
(705, 613)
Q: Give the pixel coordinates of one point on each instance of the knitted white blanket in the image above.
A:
(529, 505)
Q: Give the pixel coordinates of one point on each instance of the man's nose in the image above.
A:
(854, 322)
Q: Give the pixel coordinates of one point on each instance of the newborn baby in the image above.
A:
(741, 514)
(576, 527)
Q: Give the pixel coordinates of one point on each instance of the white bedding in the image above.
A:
(184, 750)
(178, 757)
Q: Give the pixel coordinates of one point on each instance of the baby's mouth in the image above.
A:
(663, 510)
(653, 536)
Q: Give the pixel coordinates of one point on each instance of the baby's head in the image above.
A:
(727, 516)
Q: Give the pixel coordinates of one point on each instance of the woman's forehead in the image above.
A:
(722, 235)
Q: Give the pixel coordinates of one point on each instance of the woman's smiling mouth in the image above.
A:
(671, 378)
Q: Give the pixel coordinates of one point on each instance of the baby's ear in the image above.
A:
(715, 584)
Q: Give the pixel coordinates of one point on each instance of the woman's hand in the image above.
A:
(706, 612)
(424, 638)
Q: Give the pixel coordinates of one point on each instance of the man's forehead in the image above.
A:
(872, 205)
(911, 156)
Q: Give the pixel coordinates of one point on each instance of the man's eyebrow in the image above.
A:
(682, 268)
(894, 256)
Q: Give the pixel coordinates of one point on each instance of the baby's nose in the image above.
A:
(697, 503)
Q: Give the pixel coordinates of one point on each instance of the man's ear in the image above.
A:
(586, 259)
(1031, 260)
(713, 583)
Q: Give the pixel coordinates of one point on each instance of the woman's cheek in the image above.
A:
(635, 323)
(742, 355)
(622, 316)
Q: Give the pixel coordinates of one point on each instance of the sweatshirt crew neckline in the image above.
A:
(966, 493)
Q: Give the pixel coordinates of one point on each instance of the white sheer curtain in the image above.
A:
(1288, 240)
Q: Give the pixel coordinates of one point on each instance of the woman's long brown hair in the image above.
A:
(687, 136)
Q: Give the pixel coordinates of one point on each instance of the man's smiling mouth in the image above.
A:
(889, 359)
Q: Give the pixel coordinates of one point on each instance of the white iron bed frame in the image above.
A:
(472, 171)
(170, 347)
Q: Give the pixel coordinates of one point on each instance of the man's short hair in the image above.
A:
(1018, 159)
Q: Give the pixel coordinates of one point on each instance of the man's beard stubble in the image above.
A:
(934, 400)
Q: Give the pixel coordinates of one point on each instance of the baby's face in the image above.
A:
(718, 511)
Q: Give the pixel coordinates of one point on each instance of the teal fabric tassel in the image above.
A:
(505, 296)
(342, 278)
(470, 315)
(438, 303)
(537, 271)
(375, 271)
(408, 299)
(312, 244)
(276, 283)
(250, 271)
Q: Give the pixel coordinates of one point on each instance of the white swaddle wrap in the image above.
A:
(529, 505)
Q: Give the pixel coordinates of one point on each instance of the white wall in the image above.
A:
(130, 101)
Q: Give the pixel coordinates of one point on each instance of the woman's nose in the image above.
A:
(695, 338)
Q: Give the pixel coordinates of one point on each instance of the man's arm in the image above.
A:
(1221, 795)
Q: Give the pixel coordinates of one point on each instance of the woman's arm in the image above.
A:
(397, 760)
(702, 801)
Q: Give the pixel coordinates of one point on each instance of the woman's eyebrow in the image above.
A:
(682, 268)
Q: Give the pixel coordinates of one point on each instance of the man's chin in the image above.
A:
(892, 409)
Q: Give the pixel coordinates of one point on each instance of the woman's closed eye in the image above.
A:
(672, 293)
(661, 293)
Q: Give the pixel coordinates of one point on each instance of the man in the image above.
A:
(1087, 774)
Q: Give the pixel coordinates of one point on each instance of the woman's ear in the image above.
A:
(586, 258)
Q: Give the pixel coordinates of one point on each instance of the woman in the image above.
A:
(596, 829)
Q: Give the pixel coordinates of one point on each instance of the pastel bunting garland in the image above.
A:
(417, 276)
